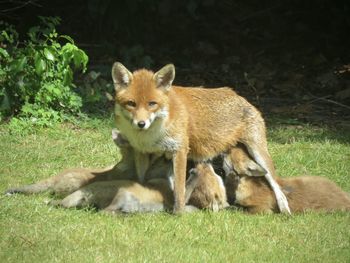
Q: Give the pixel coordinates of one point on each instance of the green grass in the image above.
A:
(31, 231)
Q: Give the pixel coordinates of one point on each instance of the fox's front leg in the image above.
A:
(142, 163)
(179, 164)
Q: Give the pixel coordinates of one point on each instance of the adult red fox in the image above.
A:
(304, 193)
(195, 123)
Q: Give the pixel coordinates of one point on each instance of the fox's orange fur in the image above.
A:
(304, 193)
(245, 188)
(122, 196)
(194, 123)
(71, 180)
(99, 187)
(205, 189)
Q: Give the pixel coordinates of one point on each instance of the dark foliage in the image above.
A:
(296, 50)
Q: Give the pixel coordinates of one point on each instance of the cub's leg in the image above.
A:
(97, 194)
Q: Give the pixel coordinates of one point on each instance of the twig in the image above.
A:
(325, 98)
(22, 4)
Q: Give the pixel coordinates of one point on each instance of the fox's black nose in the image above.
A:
(141, 124)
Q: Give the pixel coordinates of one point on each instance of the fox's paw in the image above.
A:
(178, 210)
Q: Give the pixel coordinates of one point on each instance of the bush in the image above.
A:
(36, 74)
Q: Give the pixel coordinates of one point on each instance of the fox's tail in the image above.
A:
(38, 187)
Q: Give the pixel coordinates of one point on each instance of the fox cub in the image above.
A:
(122, 196)
(186, 123)
(304, 193)
(206, 191)
(99, 188)
(71, 180)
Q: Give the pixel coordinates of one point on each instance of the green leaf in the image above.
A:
(40, 64)
(67, 38)
(48, 54)
(4, 53)
(67, 77)
(68, 48)
(80, 59)
(17, 65)
(57, 92)
(21, 63)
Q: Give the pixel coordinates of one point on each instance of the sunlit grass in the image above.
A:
(31, 231)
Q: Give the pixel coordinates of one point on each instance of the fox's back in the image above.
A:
(217, 119)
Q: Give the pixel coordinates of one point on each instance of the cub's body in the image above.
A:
(304, 193)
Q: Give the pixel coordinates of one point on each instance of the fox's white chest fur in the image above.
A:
(153, 140)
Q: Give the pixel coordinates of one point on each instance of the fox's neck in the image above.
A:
(153, 140)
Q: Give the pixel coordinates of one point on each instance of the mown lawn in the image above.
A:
(31, 231)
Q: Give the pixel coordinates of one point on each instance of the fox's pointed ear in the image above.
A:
(121, 76)
(165, 77)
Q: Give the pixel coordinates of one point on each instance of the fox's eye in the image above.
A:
(131, 103)
(152, 103)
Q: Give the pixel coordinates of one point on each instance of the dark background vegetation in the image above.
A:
(288, 57)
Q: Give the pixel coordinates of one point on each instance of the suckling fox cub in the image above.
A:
(86, 187)
(194, 123)
(205, 189)
(202, 192)
(304, 193)
(71, 180)
(122, 196)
